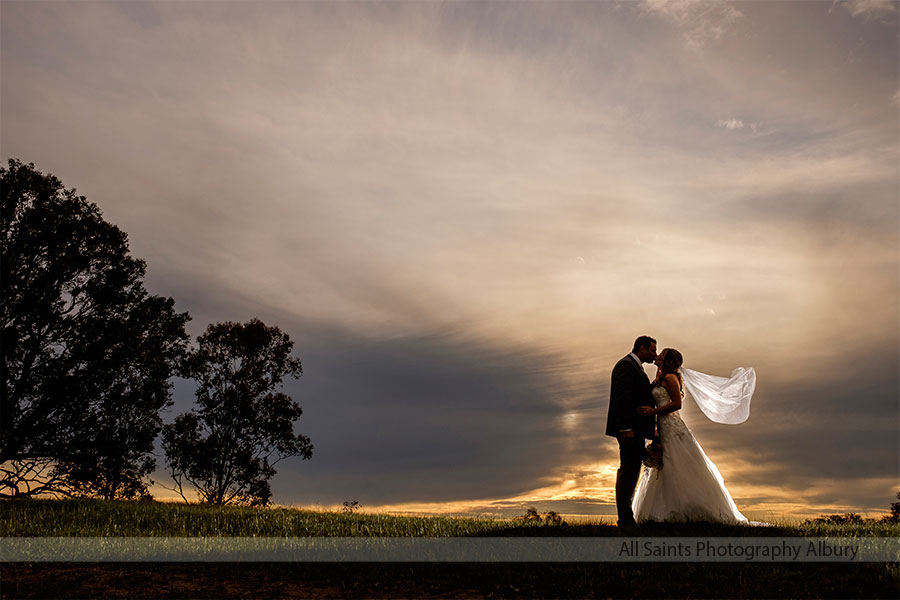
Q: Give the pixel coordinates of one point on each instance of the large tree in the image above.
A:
(242, 426)
(87, 352)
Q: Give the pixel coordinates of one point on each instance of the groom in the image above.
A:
(630, 389)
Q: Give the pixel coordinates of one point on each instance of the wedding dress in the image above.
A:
(688, 486)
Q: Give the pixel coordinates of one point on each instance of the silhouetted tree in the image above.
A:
(87, 353)
(895, 511)
(227, 447)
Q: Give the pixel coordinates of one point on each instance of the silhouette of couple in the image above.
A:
(684, 486)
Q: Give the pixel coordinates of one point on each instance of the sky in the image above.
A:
(463, 213)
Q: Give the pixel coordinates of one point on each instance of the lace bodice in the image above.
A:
(669, 423)
(661, 396)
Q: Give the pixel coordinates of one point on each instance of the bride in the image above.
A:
(686, 485)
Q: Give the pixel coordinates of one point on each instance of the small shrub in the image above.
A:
(843, 519)
(553, 518)
(531, 515)
(548, 518)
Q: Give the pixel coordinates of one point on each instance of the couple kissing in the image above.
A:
(682, 484)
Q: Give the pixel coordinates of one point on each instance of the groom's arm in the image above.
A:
(623, 383)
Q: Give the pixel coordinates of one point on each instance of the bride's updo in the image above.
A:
(670, 361)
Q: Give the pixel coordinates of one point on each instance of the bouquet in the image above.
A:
(653, 456)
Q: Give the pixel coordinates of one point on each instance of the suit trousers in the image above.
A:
(631, 455)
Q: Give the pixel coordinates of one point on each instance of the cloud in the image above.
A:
(737, 124)
(870, 10)
(701, 21)
(731, 124)
(425, 419)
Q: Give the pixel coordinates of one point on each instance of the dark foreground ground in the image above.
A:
(443, 580)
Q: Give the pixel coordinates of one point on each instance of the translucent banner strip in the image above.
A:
(496, 549)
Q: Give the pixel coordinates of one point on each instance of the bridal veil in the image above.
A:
(722, 399)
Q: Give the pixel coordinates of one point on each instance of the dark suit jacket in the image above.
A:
(630, 388)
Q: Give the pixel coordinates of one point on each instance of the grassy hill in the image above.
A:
(427, 579)
(91, 517)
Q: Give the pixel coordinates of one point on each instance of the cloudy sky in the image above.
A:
(464, 213)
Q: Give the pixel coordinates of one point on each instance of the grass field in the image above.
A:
(51, 518)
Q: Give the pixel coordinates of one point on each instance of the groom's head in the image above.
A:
(645, 348)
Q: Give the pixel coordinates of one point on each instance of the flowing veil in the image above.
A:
(722, 399)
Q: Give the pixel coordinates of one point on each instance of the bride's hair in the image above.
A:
(671, 360)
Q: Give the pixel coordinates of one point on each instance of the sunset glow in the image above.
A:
(463, 213)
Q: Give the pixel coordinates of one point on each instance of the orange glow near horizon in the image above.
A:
(595, 483)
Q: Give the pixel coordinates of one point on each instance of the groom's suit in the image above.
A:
(630, 389)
